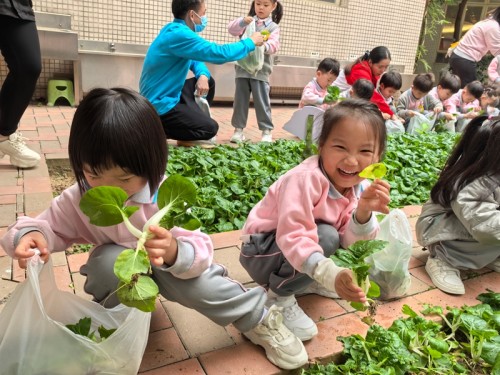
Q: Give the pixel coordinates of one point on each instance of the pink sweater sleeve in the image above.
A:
(236, 27)
(493, 70)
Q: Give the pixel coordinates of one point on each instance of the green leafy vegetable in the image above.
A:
(83, 326)
(105, 206)
(354, 258)
(333, 94)
(374, 171)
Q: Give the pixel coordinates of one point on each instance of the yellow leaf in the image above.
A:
(373, 171)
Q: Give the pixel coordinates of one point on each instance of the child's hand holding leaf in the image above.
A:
(347, 289)
(375, 197)
(161, 248)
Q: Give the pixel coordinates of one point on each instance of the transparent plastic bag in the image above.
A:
(394, 126)
(254, 61)
(389, 267)
(34, 338)
(420, 123)
(203, 104)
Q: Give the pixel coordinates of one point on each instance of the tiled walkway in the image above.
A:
(182, 341)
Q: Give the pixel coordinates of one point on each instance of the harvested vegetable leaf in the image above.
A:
(374, 171)
(333, 94)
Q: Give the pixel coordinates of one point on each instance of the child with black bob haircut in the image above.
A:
(448, 85)
(117, 139)
(314, 209)
(460, 224)
(465, 104)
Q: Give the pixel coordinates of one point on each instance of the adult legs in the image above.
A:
(465, 69)
(186, 121)
(21, 49)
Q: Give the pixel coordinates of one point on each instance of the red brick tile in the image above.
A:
(9, 190)
(486, 281)
(164, 347)
(319, 308)
(8, 199)
(159, 318)
(246, 358)
(325, 344)
(187, 367)
(37, 184)
(387, 312)
(226, 239)
(412, 211)
(75, 261)
(63, 278)
(440, 298)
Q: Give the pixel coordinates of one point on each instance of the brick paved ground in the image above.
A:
(182, 341)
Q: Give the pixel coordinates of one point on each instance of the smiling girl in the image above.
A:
(315, 208)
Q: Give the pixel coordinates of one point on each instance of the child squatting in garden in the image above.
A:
(117, 139)
(315, 208)
(267, 15)
(460, 224)
(315, 91)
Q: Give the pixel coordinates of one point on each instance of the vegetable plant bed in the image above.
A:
(465, 341)
(231, 180)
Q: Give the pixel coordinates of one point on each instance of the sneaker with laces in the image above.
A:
(20, 155)
(495, 266)
(294, 318)
(282, 347)
(444, 276)
(238, 136)
(267, 136)
(320, 290)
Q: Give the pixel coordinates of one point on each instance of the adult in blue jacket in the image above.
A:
(175, 51)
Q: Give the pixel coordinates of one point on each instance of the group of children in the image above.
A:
(445, 101)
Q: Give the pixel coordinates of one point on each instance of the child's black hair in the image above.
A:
(329, 65)
(276, 15)
(450, 82)
(492, 92)
(495, 14)
(363, 89)
(358, 109)
(475, 88)
(476, 155)
(424, 82)
(117, 128)
(391, 78)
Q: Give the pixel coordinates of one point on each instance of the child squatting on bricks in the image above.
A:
(117, 139)
(315, 208)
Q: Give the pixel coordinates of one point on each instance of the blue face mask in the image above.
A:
(198, 28)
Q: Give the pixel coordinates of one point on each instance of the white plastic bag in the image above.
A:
(420, 123)
(254, 61)
(389, 267)
(203, 104)
(34, 339)
(394, 126)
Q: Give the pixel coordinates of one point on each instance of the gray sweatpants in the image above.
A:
(266, 264)
(212, 294)
(262, 103)
(465, 255)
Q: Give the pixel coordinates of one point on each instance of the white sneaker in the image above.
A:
(20, 155)
(495, 266)
(238, 136)
(294, 317)
(267, 136)
(282, 348)
(444, 276)
(320, 290)
(207, 144)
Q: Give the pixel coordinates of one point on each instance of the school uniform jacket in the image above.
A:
(64, 224)
(293, 205)
(473, 216)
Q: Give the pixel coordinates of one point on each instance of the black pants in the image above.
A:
(186, 121)
(465, 69)
(21, 49)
